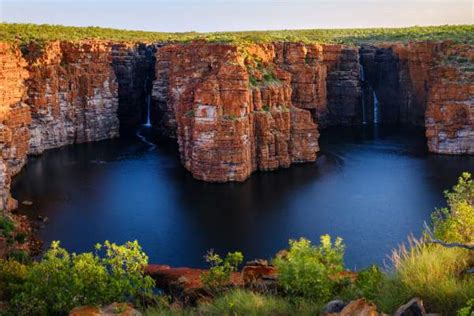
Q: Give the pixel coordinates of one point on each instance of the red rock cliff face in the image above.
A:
(450, 102)
(14, 120)
(343, 84)
(72, 93)
(437, 89)
(232, 110)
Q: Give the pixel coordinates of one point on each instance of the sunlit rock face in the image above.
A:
(426, 84)
(232, 110)
(72, 93)
(450, 108)
(14, 119)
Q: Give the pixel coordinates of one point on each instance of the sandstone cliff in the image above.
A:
(14, 119)
(232, 112)
(450, 108)
(72, 94)
(233, 109)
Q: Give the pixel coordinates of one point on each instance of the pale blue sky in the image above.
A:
(220, 15)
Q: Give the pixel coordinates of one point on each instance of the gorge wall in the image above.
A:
(233, 109)
(232, 112)
(72, 94)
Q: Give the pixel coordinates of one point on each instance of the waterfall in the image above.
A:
(362, 79)
(145, 126)
(376, 109)
(148, 104)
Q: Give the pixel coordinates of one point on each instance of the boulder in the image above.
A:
(260, 276)
(413, 308)
(334, 306)
(185, 284)
(359, 307)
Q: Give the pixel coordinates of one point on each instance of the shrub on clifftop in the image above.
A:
(309, 270)
(220, 270)
(456, 222)
(61, 281)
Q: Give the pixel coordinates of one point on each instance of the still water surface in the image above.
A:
(371, 186)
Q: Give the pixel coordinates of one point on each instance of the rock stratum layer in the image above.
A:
(233, 109)
(233, 115)
(72, 94)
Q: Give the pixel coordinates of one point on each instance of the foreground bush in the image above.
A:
(309, 271)
(456, 222)
(61, 281)
(220, 270)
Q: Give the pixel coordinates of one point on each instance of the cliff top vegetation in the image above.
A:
(25, 33)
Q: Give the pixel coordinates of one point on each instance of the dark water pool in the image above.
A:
(370, 186)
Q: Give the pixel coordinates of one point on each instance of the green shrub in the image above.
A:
(367, 285)
(20, 237)
(7, 226)
(12, 276)
(391, 293)
(189, 113)
(467, 310)
(270, 78)
(25, 33)
(310, 271)
(220, 270)
(253, 82)
(244, 302)
(241, 302)
(230, 117)
(456, 222)
(61, 280)
(19, 255)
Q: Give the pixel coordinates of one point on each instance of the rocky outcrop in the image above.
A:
(185, 284)
(232, 110)
(450, 108)
(72, 94)
(14, 120)
(360, 307)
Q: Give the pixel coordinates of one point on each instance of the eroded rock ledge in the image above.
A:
(233, 109)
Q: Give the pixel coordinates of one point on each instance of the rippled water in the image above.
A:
(370, 186)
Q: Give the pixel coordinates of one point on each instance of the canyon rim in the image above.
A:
(233, 109)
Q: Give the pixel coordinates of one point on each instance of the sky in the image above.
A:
(233, 15)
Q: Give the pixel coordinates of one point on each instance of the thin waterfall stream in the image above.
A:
(148, 101)
(148, 118)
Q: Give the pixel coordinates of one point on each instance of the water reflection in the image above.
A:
(371, 186)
